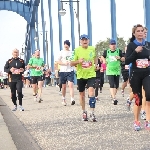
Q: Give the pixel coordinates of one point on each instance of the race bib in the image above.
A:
(87, 64)
(17, 71)
(127, 67)
(112, 58)
(142, 63)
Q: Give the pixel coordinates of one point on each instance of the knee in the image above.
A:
(20, 96)
(92, 102)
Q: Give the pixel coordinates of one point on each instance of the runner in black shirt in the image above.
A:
(138, 53)
(98, 80)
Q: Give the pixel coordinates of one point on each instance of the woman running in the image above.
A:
(138, 53)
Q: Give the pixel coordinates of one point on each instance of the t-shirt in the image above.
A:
(65, 56)
(85, 70)
(36, 62)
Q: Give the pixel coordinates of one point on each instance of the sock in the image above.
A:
(72, 99)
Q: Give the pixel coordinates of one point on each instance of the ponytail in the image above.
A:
(132, 38)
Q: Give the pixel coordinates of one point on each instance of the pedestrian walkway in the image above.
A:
(6, 142)
(57, 127)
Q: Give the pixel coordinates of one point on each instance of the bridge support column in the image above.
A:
(43, 27)
(51, 35)
(32, 39)
(89, 23)
(37, 28)
(60, 26)
(147, 17)
(113, 19)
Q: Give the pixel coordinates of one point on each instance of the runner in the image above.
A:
(113, 57)
(125, 72)
(15, 68)
(36, 65)
(138, 54)
(66, 72)
(98, 79)
(84, 58)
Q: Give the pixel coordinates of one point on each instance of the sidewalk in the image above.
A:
(6, 142)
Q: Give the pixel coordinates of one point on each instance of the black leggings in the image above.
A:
(113, 81)
(137, 80)
(16, 86)
(97, 86)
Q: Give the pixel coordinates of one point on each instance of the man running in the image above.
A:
(36, 65)
(15, 68)
(66, 72)
(84, 58)
(113, 57)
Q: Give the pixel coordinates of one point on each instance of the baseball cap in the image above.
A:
(112, 41)
(84, 36)
(37, 50)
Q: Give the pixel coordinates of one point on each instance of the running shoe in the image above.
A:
(15, 108)
(40, 100)
(129, 104)
(35, 97)
(137, 126)
(143, 115)
(85, 116)
(93, 118)
(147, 125)
(21, 108)
(114, 101)
(72, 102)
(64, 103)
(97, 99)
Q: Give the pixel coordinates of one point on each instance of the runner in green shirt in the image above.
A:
(85, 59)
(36, 65)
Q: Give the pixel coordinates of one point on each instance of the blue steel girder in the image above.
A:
(16, 6)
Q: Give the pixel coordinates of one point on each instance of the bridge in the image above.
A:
(28, 9)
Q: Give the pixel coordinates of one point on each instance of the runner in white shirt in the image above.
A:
(66, 72)
(26, 77)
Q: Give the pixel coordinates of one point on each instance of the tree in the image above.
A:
(104, 45)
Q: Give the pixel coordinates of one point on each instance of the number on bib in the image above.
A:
(142, 63)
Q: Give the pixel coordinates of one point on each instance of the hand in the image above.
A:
(81, 60)
(34, 66)
(12, 69)
(139, 49)
(21, 69)
(123, 59)
(118, 57)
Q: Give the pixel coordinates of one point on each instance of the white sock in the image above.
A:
(72, 99)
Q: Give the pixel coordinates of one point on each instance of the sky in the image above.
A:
(13, 26)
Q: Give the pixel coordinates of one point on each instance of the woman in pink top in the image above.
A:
(102, 71)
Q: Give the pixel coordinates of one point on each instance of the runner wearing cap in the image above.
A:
(113, 57)
(85, 59)
(36, 65)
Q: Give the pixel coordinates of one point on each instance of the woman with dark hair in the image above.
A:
(138, 53)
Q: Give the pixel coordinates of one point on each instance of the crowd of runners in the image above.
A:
(133, 64)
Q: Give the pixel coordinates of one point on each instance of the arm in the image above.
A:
(75, 60)
(95, 58)
(6, 67)
(130, 54)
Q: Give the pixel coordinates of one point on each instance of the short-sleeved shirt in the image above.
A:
(85, 70)
(36, 62)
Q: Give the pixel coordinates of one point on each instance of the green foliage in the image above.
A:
(104, 45)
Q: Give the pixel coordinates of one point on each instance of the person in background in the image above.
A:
(5, 79)
(102, 72)
(97, 80)
(52, 76)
